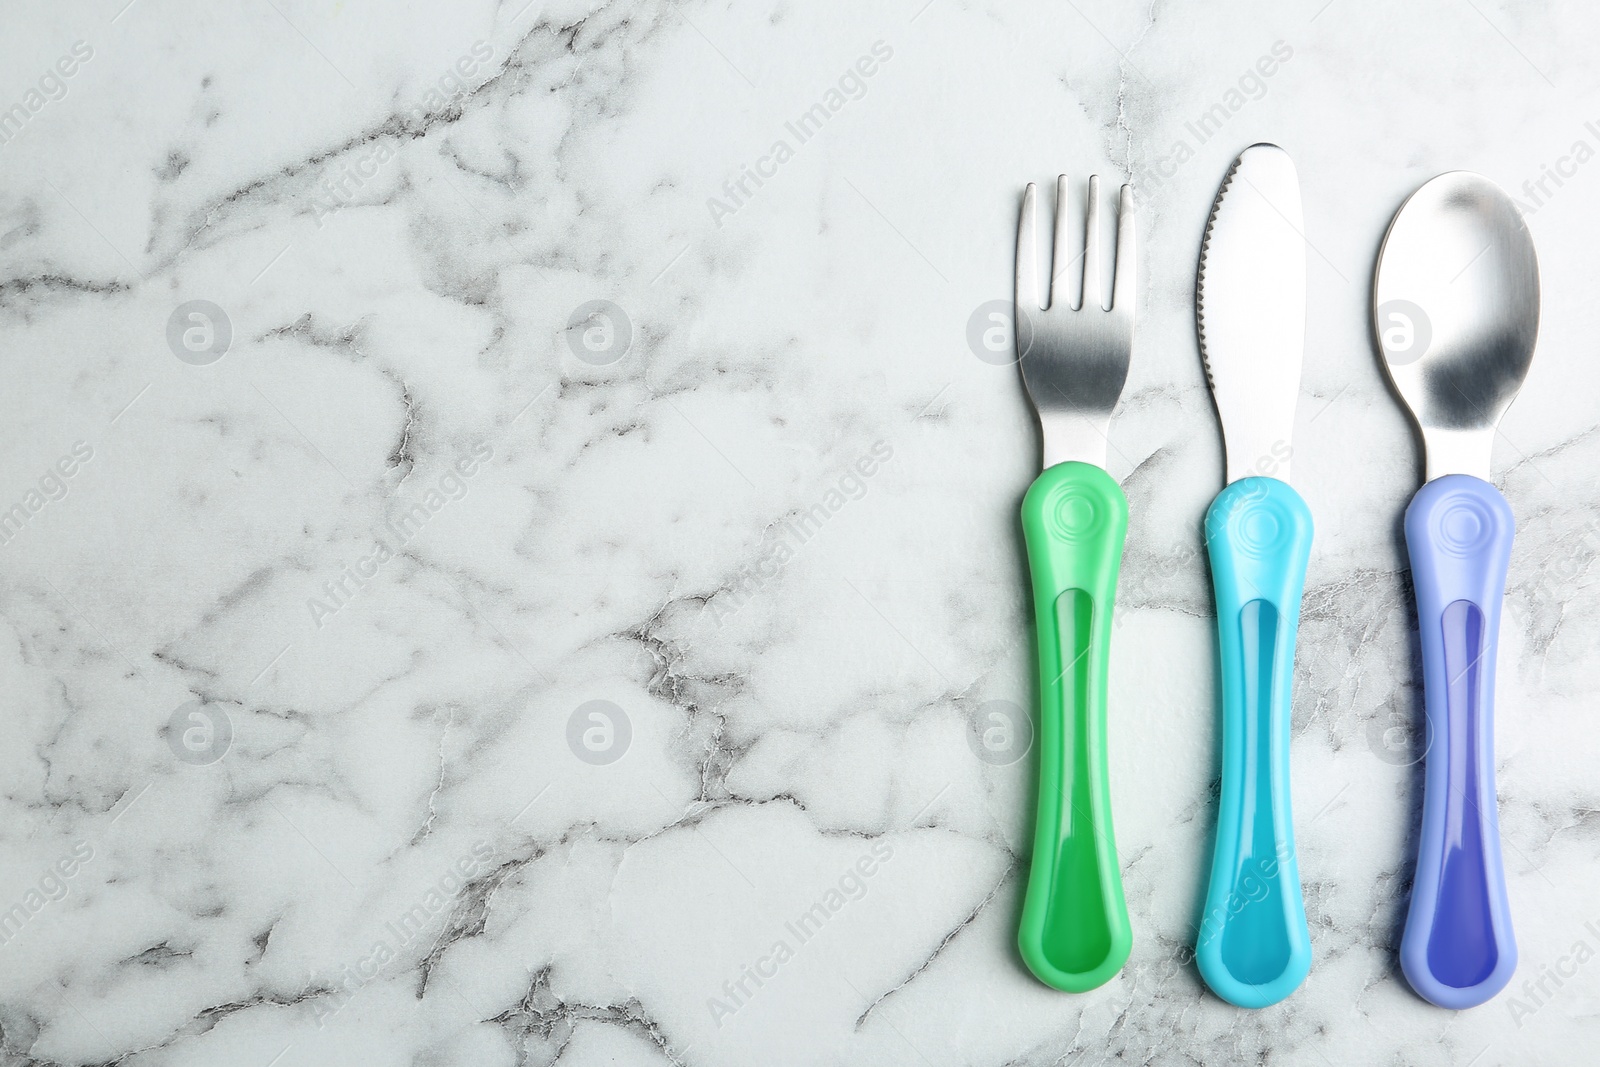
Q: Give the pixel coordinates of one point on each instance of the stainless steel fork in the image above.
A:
(1074, 932)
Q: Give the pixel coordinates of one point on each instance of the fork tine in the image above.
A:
(1091, 249)
(1125, 287)
(1061, 258)
(1027, 290)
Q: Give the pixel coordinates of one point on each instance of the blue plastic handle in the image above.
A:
(1253, 947)
(1458, 949)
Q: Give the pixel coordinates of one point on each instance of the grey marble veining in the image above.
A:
(506, 535)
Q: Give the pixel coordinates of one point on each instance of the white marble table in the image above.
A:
(310, 589)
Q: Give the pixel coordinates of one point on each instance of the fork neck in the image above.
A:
(1070, 436)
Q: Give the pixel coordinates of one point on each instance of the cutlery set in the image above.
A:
(1455, 312)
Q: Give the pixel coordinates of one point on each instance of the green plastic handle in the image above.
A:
(1074, 934)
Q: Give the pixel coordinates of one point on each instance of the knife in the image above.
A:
(1253, 948)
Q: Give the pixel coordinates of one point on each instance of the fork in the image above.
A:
(1074, 934)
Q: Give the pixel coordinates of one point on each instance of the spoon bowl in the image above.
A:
(1456, 310)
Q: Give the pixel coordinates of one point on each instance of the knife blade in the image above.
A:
(1250, 309)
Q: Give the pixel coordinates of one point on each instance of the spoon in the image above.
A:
(1455, 302)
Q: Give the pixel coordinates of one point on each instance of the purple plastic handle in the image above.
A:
(1458, 949)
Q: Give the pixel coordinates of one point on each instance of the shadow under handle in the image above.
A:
(1458, 949)
(1253, 948)
(1074, 934)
